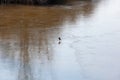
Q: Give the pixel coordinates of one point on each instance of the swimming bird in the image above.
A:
(59, 38)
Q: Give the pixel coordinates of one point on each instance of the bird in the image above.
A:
(59, 38)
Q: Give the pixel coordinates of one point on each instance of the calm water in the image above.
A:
(89, 48)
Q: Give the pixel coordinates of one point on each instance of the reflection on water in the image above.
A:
(30, 48)
(28, 36)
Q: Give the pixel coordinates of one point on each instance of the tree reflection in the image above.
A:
(25, 61)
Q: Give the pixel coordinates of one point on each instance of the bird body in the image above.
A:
(59, 38)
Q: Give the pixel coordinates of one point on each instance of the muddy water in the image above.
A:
(88, 48)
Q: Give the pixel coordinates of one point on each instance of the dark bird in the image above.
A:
(59, 38)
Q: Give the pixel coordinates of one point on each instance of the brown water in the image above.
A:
(88, 49)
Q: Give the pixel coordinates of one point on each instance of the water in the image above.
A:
(88, 49)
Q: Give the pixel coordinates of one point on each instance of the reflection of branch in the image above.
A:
(25, 66)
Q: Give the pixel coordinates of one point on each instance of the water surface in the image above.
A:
(88, 49)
